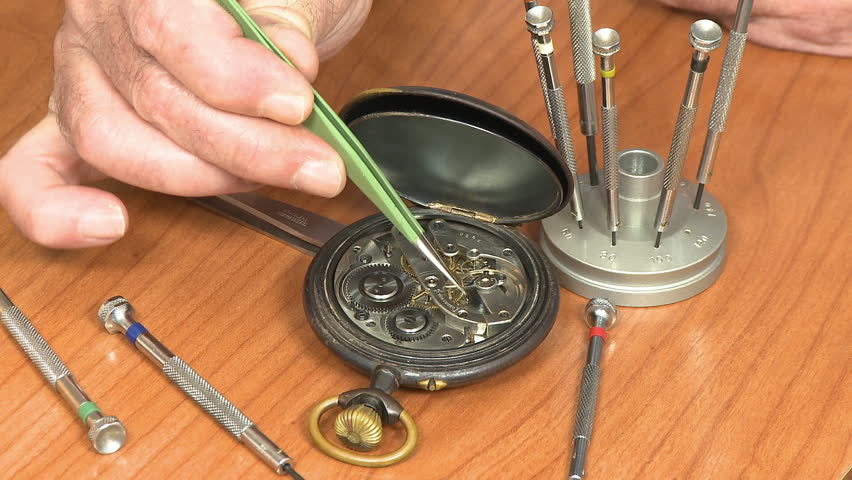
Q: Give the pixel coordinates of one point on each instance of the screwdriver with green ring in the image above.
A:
(106, 432)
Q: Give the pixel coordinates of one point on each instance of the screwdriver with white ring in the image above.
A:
(540, 23)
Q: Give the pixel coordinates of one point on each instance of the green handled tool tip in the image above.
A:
(360, 166)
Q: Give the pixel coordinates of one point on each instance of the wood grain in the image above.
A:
(750, 379)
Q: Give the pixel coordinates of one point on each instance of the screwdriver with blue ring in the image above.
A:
(117, 316)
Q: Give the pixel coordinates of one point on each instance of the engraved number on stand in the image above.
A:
(708, 208)
(607, 255)
(567, 234)
(701, 241)
(658, 259)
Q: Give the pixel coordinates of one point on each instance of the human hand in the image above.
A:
(814, 26)
(170, 97)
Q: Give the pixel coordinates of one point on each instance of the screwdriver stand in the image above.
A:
(633, 272)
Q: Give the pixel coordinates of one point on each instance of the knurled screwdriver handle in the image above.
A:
(588, 400)
(580, 14)
(539, 65)
(606, 43)
(584, 70)
(539, 20)
(609, 135)
(674, 168)
(225, 413)
(585, 419)
(560, 126)
(721, 103)
(207, 397)
(562, 133)
(722, 98)
(704, 36)
(557, 120)
(117, 316)
(679, 147)
(727, 81)
(609, 120)
(600, 315)
(34, 345)
(106, 433)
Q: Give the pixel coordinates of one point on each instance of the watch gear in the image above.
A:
(410, 324)
(377, 288)
(375, 293)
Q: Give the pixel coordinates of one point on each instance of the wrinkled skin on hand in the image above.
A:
(167, 95)
(814, 26)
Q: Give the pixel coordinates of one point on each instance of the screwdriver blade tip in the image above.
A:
(697, 204)
(288, 469)
(613, 239)
(580, 224)
(657, 241)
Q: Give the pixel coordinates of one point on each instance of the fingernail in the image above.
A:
(105, 223)
(289, 109)
(319, 177)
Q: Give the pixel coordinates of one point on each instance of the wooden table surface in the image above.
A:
(750, 379)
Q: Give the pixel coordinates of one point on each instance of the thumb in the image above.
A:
(292, 28)
(39, 187)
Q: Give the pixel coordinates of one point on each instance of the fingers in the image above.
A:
(37, 188)
(108, 134)
(812, 36)
(289, 30)
(818, 26)
(349, 16)
(257, 149)
(211, 58)
(726, 9)
(330, 24)
(253, 148)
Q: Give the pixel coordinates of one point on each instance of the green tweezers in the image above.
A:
(360, 166)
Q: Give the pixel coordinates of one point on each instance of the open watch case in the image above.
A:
(477, 171)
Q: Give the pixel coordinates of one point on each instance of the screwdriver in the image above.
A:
(724, 94)
(607, 43)
(705, 36)
(106, 433)
(540, 23)
(528, 5)
(600, 316)
(117, 316)
(584, 73)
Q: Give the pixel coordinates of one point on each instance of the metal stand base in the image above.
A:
(633, 273)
